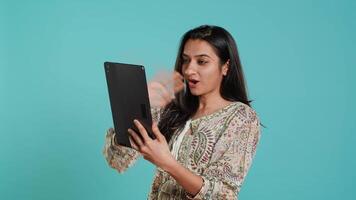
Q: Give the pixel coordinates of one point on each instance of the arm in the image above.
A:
(223, 177)
(120, 157)
(187, 179)
(117, 156)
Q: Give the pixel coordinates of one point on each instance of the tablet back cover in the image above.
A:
(129, 100)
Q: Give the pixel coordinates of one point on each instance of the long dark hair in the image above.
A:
(233, 87)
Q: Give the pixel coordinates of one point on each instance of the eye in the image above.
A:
(202, 62)
(185, 60)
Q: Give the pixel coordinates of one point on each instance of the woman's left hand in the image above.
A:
(154, 150)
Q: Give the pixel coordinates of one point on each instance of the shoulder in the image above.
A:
(242, 115)
(242, 128)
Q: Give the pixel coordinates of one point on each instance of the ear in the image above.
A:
(226, 67)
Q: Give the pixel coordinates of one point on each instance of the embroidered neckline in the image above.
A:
(195, 122)
(214, 113)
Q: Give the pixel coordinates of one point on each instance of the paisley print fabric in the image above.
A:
(219, 147)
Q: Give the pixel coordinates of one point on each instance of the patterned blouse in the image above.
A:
(219, 147)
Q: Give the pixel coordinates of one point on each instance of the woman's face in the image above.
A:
(201, 67)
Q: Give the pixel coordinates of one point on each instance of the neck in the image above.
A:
(210, 102)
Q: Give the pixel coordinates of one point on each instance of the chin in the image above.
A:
(195, 93)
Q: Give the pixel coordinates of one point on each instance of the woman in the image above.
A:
(206, 135)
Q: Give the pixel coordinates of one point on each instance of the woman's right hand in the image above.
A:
(161, 90)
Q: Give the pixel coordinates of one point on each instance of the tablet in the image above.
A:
(129, 100)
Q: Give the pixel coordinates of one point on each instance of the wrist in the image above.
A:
(170, 165)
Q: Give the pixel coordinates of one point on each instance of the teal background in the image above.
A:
(299, 62)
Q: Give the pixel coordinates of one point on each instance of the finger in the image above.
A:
(161, 90)
(157, 132)
(164, 80)
(163, 102)
(166, 96)
(178, 86)
(170, 77)
(158, 87)
(159, 101)
(133, 144)
(142, 131)
(154, 99)
(157, 97)
(135, 137)
(177, 76)
(178, 80)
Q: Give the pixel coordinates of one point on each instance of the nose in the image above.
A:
(189, 69)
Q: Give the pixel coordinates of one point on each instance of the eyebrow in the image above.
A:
(200, 55)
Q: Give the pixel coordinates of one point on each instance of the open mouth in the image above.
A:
(193, 83)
